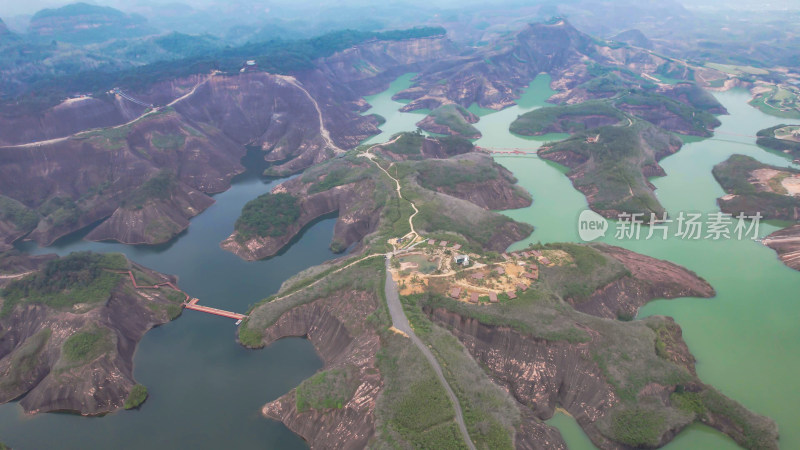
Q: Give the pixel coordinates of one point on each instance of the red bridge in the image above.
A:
(192, 304)
(188, 303)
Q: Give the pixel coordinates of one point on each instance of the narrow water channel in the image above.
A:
(746, 338)
(206, 391)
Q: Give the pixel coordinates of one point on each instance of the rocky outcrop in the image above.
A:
(538, 373)
(154, 222)
(544, 374)
(647, 279)
(336, 327)
(787, 243)
(34, 365)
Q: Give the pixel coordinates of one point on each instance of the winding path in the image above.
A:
(326, 136)
(371, 157)
(400, 321)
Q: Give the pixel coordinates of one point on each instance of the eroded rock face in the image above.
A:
(335, 325)
(69, 117)
(649, 279)
(538, 373)
(787, 243)
(155, 222)
(201, 142)
(495, 194)
(34, 367)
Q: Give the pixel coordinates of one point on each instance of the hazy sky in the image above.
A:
(10, 8)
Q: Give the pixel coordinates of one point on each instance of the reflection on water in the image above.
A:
(205, 390)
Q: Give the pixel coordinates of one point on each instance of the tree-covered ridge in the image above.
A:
(267, 215)
(609, 164)
(569, 117)
(81, 277)
(646, 105)
(274, 56)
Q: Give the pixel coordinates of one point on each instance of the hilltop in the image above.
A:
(70, 328)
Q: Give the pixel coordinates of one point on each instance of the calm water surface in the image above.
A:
(206, 391)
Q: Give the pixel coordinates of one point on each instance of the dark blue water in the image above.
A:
(206, 391)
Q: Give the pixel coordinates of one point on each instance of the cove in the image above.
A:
(746, 338)
(206, 391)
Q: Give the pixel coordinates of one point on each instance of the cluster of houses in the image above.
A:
(527, 255)
(527, 273)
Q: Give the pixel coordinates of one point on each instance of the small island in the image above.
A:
(773, 192)
(451, 119)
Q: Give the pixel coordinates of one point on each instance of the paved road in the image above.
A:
(400, 321)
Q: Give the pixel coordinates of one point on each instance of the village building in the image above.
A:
(462, 259)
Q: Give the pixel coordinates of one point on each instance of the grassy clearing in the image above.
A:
(85, 346)
(328, 389)
(731, 69)
(433, 174)
(136, 397)
(591, 270)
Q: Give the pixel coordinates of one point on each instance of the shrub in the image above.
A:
(136, 397)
